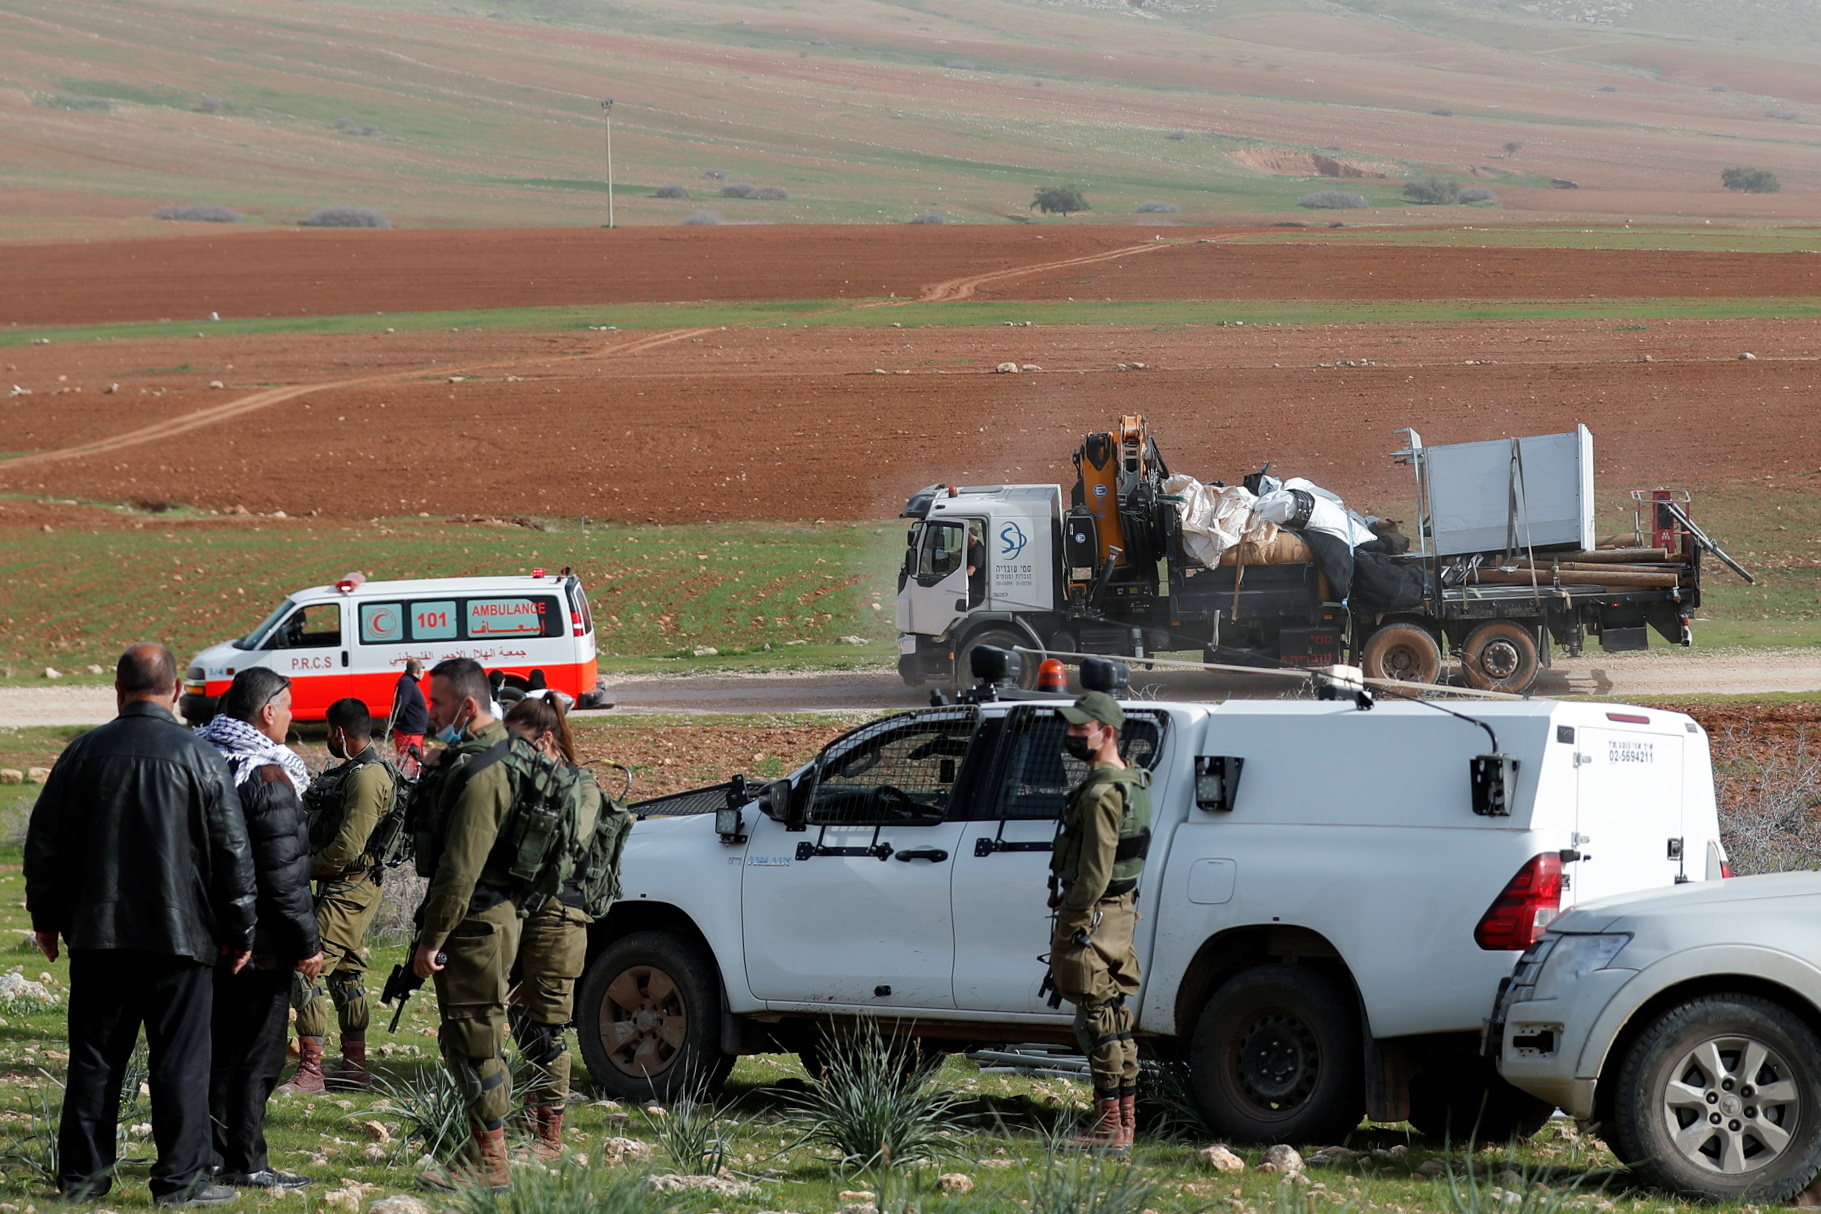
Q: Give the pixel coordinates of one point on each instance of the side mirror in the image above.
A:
(1494, 784)
(1105, 674)
(1217, 782)
(729, 821)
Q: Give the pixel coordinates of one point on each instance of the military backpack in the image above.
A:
(325, 805)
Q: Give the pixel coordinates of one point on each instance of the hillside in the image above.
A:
(873, 110)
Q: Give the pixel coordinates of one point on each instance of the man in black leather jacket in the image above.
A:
(251, 1007)
(137, 857)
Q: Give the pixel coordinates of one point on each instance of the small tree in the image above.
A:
(346, 217)
(1158, 206)
(1060, 199)
(1433, 192)
(1332, 200)
(672, 191)
(1751, 181)
(1513, 146)
(1477, 193)
(928, 217)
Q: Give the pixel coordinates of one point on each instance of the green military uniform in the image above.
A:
(1100, 849)
(344, 804)
(469, 914)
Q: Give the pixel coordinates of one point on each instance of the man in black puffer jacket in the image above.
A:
(137, 857)
(251, 1006)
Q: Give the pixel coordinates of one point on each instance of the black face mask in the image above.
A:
(1078, 746)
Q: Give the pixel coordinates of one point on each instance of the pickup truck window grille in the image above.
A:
(1037, 774)
(682, 804)
(899, 771)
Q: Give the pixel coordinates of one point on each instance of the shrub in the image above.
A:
(873, 1102)
(1720, 88)
(1059, 199)
(1070, 1183)
(773, 192)
(1609, 88)
(671, 191)
(1433, 191)
(821, 42)
(346, 217)
(695, 1137)
(348, 126)
(1331, 200)
(1751, 181)
(699, 218)
(739, 189)
(99, 105)
(1157, 206)
(1443, 111)
(1178, 136)
(565, 1187)
(210, 105)
(1478, 193)
(201, 212)
(715, 174)
(961, 65)
(929, 217)
(1767, 807)
(1784, 115)
(1514, 146)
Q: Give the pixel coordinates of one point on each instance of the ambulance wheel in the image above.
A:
(1407, 653)
(1276, 1057)
(1002, 638)
(1500, 655)
(648, 1019)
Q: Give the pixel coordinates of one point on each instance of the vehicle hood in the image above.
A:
(1721, 905)
(217, 660)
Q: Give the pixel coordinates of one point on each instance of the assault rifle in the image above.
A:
(402, 984)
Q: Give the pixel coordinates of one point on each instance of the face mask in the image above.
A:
(451, 733)
(1079, 746)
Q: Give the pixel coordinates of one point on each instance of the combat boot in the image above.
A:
(308, 1079)
(1128, 1122)
(547, 1131)
(351, 1073)
(1103, 1129)
(485, 1164)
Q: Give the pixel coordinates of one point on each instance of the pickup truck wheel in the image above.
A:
(1720, 1099)
(1469, 1101)
(1500, 656)
(1406, 652)
(649, 1019)
(1276, 1058)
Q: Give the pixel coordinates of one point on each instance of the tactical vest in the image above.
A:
(437, 789)
(597, 878)
(1134, 785)
(325, 805)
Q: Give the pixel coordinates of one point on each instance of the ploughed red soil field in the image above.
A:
(290, 273)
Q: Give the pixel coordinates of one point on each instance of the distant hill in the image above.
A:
(878, 110)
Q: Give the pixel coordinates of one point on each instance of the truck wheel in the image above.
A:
(649, 1019)
(1719, 1099)
(1471, 1102)
(1406, 652)
(1003, 638)
(1499, 656)
(1276, 1057)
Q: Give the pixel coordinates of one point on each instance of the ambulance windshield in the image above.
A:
(253, 638)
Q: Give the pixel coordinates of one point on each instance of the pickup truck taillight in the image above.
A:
(1532, 898)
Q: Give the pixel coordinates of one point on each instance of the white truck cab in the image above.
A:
(1331, 899)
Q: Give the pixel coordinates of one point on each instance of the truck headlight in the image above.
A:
(1575, 955)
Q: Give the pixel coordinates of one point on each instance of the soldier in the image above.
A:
(344, 805)
(468, 914)
(1100, 850)
(554, 948)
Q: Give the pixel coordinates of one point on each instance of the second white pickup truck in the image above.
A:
(1331, 899)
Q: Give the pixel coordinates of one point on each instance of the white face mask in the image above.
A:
(451, 733)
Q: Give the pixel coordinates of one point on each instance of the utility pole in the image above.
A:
(607, 113)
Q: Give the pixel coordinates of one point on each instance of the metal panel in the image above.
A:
(1472, 486)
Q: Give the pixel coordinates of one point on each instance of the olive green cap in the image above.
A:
(1095, 706)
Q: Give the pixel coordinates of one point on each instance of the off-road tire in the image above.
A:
(1276, 1057)
(1470, 1102)
(1668, 1049)
(1004, 638)
(646, 982)
(1500, 655)
(1405, 652)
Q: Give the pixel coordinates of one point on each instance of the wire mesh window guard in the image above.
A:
(900, 770)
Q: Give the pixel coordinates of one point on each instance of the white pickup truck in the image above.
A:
(1331, 899)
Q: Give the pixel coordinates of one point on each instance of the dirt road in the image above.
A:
(1642, 676)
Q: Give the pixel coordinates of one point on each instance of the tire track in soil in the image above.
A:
(948, 291)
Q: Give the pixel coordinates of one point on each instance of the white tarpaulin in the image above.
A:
(1330, 515)
(1216, 520)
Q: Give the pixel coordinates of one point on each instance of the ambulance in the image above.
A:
(354, 636)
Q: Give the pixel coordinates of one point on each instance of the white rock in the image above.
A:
(850, 640)
(1007, 368)
(1748, 357)
(400, 1203)
(375, 1131)
(701, 651)
(1282, 1160)
(343, 1199)
(215, 383)
(51, 672)
(955, 1182)
(714, 1185)
(848, 1196)
(1032, 367)
(1220, 1158)
(91, 668)
(16, 986)
(11, 775)
(1328, 1155)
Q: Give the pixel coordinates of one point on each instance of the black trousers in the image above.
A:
(112, 993)
(250, 1025)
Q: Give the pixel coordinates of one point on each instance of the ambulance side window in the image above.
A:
(382, 623)
(317, 626)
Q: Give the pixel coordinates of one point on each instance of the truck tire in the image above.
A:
(1405, 652)
(1276, 1057)
(1500, 655)
(649, 1019)
(1004, 638)
(1719, 1058)
(1471, 1102)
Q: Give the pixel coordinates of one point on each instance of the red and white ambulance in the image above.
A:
(353, 638)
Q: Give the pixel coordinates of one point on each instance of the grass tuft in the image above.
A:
(873, 1102)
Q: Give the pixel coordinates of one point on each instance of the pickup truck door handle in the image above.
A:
(935, 855)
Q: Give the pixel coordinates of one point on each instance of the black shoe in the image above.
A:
(201, 1195)
(267, 1178)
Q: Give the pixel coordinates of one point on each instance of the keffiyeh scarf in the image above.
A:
(247, 750)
